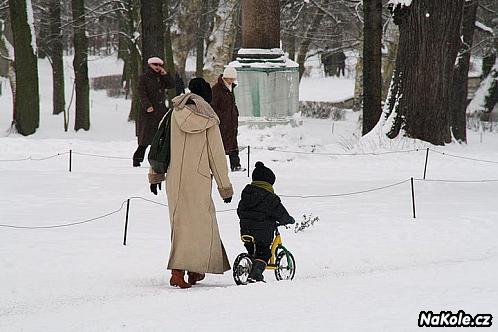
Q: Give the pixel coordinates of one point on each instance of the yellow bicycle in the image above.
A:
(281, 261)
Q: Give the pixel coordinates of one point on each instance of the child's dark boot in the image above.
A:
(257, 270)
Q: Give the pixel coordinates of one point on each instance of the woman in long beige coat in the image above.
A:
(197, 155)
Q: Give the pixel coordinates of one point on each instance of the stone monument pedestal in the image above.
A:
(268, 83)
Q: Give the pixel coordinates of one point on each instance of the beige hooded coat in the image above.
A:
(197, 155)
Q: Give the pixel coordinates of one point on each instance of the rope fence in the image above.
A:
(127, 202)
(241, 149)
(347, 194)
(67, 224)
(336, 154)
(458, 181)
(36, 159)
(249, 148)
(467, 158)
(101, 156)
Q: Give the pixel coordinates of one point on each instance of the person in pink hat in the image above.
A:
(152, 91)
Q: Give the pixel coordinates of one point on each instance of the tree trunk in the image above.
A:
(124, 28)
(305, 44)
(219, 51)
(55, 54)
(358, 86)
(186, 32)
(12, 82)
(7, 52)
(152, 30)
(134, 59)
(80, 65)
(486, 97)
(459, 92)
(168, 51)
(201, 35)
(391, 41)
(292, 46)
(135, 64)
(418, 106)
(372, 64)
(488, 61)
(125, 37)
(492, 98)
(27, 100)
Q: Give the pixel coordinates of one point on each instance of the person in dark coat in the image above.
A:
(329, 64)
(260, 212)
(224, 105)
(151, 90)
(341, 64)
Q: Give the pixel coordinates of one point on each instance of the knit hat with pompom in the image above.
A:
(263, 173)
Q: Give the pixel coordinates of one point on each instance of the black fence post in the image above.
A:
(426, 159)
(413, 198)
(126, 220)
(248, 160)
(70, 159)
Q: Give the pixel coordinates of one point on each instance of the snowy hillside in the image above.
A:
(367, 265)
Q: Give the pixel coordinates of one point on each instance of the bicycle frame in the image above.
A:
(276, 244)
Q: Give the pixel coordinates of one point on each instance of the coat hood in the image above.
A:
(193, 114)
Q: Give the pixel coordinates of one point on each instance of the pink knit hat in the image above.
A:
(155, 60)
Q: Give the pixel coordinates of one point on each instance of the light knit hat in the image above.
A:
(230, 72)
(155, 60)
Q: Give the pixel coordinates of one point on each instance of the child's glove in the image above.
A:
(290, 221)
(154, 186)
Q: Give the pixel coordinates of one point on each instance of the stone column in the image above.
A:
(268, 80)
(261, 24)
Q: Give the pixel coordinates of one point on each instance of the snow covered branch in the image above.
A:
(484, 28)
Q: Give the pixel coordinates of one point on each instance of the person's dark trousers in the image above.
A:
(139, 155)
(341, 70)
(263, 239)
(234, 159)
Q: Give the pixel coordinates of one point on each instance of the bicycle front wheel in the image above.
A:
(286, 266)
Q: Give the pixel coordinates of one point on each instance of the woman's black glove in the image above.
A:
(227, 200)
(154, 186)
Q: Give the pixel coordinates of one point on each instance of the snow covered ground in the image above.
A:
(330, 89)
(367, 265)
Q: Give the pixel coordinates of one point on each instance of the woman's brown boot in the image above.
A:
(177, 279)
(194, 277)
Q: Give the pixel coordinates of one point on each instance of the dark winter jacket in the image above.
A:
(224, 105)
(261, 209)
(180, 86)
(151, 89)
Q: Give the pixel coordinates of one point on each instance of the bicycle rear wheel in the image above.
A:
(286, 265)
(241, 268)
